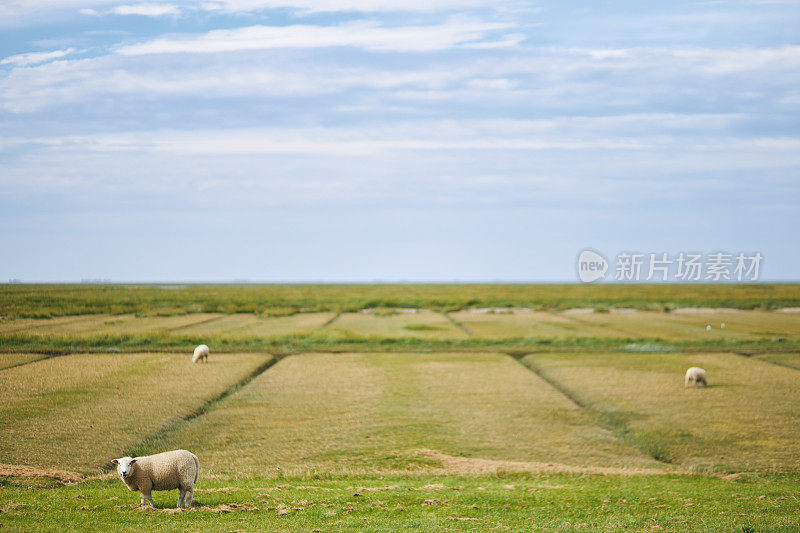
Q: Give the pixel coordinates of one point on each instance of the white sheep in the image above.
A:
(177, 469)
(200, 354)
(697, 376)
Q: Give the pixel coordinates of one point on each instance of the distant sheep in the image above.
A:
(697, 376)
(177, 469)
(200, 354)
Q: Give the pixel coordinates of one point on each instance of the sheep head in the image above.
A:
(124, 466)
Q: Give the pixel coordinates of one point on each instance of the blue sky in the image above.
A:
(359, 140)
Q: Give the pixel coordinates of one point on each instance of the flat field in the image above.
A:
(748, 419)
(36, 301)
(423, 324)
(335, 408)
(77, 412)
(401, 412)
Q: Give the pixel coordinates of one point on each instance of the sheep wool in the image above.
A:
(200, 354)
(177, 469)
(697, 376)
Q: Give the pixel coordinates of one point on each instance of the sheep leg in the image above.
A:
(181, 498)
(149, 498)
(189, 496)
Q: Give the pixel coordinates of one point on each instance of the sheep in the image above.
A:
(177, 469)
(200, 354)
(697, 376)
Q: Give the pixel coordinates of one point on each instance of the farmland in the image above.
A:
(405, 407)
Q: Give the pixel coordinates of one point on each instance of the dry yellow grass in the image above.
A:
(360, 413)
(640, 324)
(283, 325)
(8, 360)
(103, 324)
(423, 324)
(784, 359)
(750, 324)
(63, 324)
(220, 324)
(76, 412)
(154, 324)
(531, 325)
(748, 419)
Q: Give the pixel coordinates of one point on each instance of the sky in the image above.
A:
(393, 140)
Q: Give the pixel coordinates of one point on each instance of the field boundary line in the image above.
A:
(44, 357)
(550, 381)
(177, 329)
(628, 334)
(754, 357)
(330, 321)
(28, 362)
(147, 443)
(458, 324)
(602, 417)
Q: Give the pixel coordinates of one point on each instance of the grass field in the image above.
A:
(423, 324)
(8, 360)
(541, 325)
(79, 411)
(384, 413)
(36, 301)
(791, 360)
(747, 420)
(314, 415)
(762, 331)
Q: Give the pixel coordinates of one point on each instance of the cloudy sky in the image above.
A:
(393, 139)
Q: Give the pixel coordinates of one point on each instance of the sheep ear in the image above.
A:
(133, 461)
(115, 461)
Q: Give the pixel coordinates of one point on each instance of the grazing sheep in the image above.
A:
(697, 376)
(177, 469)
(200, 354)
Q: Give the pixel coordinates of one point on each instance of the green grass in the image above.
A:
(747, 420)
(516, 502)
(79, 411)
(59, 300)
(333, 340)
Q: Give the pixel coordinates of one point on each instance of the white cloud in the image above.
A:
(146, 9)
(633, 132)
(33, 58)
(317, 141)
(554, 78)
(364, 34)
(314, 6)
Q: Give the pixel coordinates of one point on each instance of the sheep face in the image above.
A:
(124, 466)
